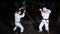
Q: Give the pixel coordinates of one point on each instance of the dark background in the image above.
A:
(8, 8)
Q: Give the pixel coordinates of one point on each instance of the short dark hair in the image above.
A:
(18, 11)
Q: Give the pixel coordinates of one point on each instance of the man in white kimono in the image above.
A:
(45, 21)
(18, 17)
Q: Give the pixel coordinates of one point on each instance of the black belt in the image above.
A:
(46, 20)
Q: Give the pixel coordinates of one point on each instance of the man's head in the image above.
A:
(19, 12)
(44, 8)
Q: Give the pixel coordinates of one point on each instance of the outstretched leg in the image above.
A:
(20, 26)
(15, 28)
(41, 25)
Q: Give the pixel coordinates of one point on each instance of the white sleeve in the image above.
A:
(48, 11)
(15, 14)
(22, 15)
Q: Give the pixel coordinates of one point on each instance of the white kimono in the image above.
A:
(45, 20)
(17, 21)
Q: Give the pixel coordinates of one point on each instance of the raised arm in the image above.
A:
(40, 10)
(48, 11)
(23, 14)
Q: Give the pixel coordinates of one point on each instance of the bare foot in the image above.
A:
(48, 31)
(39, 31)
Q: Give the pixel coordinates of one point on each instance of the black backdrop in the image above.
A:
(8, 8)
